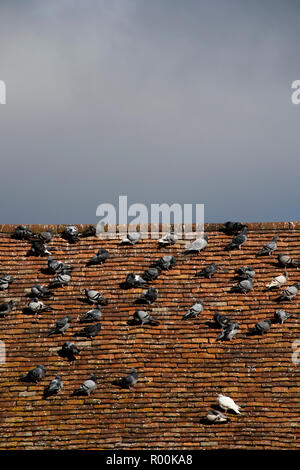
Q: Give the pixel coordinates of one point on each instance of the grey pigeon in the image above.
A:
(286, 260)
(262, 327)
(61, 326)
(90, 231)
(245, 272)
(238, 241)
(92, 315)
(69, 350)
(233, 227)
(194, 311)
(71, 233)
(281, 316)
(221, 320)
(88, 387)
(61, 280)
(143, 318)
(94, 297)
(278, 281)
(149, 296)
(244, 286)
(39, 248)
(40, 291)
(57, 267)
(134, 280)
(208, 271)
(34, 375)
(6, 308)
(132, 238)
(268, 248)
(46, 236)
(198, 245)
(54, 387)
(90, 331)
(151, 274)
(166, 262)
(36, 306)
(129, 381)
(5, 281)
(228, 332)
(100, 258)
(168, 239)
(290, 292)
(22, 233)
(214, 416)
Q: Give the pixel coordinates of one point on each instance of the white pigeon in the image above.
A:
(198, 244)
(168, 239)
(278, 281)
(132, 238)
(226, 403)
(214, 416)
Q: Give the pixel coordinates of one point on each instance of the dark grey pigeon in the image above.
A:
(88, 387)
(5, 281)
(194, 311)
(34, 375)
(94, 296)
(39, 248)
(99, 258)
(46, 236)
(221, 320)
(149, 296)
(281, 316)
(286, 260)
(168, 239)
(268, 248)
(57, 267)
(132, 238)
(134, 280)
(198, 245)
(61, 326)
(143, 318)
(40, 291)
(61, 280)
(262, 327)
(151, 274)
(71, 233)
(90, 231)
(129, 381)
(6, 308)
(214, 416)
(290, 292)
(166, 262)
(244, 286)
(233, 227)
(54, 387)
(228, 332)
(90, 331)
(92, 315)
(238, 241)
(245, 272)
(208, 271)
(69, 350)
(36, 306)
(22, 233)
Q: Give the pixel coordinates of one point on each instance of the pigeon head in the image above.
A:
(133, 371)
(69, 318)
(93, 378)
(205, 236)
(58, 377)
(43, 368)
(274, 239)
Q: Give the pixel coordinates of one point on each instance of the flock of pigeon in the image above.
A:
(63, 275)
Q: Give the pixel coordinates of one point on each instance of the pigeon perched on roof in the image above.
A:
(61, 326)
(71, 233)
(132, 238)
(166, 262)
(5, 281)
(129, 381)
(90, 331)
(36, 306)
(151, 274)
(100, 258)
(56, 267)
(61, 280)
(134, 280)
(34, 375)
(94, 297)
(149, 296)
(6, 308)
(141, 317)
(262, 327)
(228, 332)
(233, 227)
(88, 386)
(244, 286)
(168, 239)
(238, 241)
(286, 260)
(245, 272)
(198, 245)
(290, 292)
(214, 416)
(90, 231)
(69, 350)
(54, 387)
(281, 316)
(268, 248)
(227, 403)
(92, 315)
(194, 311)
(221, 320)
(46, 236)
(208, 271)
(22, 233)
(39, 248)
(40, 292)
(278, 281)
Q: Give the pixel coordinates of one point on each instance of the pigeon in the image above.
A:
(245, 272)
(132, 238)
(290, 292)
(278, 281)
(166, 262)
(94, 297)
(142, 318)
(197, 245)
(226, 403)
(99, 258)
(233, 227)
(151, 274)
(88, 387)
(244, 286)
(71, 234)
(40, 291)
(268, 248)
(228, 332)
(238, 241)
(208, 271)
(39, 248)
(262, 327)
(5, 280)
(149, 296)
(286, 260)
(34, 375)
(221, 320)
(22, 233)
(6, 308)
(61, 326)
(129, 381)
(90, 231)
(169, 239)
(92, 315)
(57, 267)
(134, 280)
(90, 331)
(61, 280)
(69, 350)
(36, 306)
(194, 311)
(214, 416)
(46, 237)
(281, 316)
(54, 387)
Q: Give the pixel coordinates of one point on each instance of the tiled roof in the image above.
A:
(181, 366)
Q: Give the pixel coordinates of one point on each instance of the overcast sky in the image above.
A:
(161, 100)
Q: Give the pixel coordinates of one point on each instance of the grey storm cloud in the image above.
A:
(164, 101)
